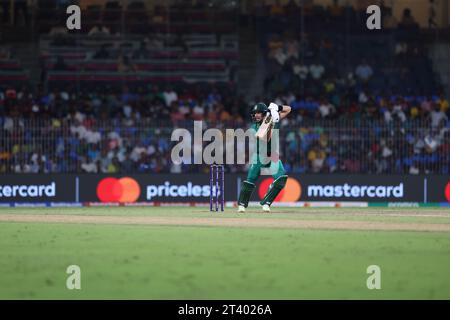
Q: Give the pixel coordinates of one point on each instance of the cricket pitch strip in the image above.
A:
(239, 222)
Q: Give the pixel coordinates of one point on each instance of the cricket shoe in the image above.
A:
(266, 208)
(241, 209)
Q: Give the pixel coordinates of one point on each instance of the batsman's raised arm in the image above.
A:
(279, 111)
(284, 111)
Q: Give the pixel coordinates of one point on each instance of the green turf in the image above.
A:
(157, 262)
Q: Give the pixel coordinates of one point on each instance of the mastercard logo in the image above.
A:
(447, 192)
(290, 193)
(118, 190)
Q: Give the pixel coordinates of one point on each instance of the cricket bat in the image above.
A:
(264, 131)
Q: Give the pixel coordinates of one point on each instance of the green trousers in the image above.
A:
(275, 169)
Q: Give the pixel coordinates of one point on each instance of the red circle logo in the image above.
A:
(290, 193)
(447, 192)
(118, 190)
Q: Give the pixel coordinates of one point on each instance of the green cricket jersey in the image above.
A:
(261, 150)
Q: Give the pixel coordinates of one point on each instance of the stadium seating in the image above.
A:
(205, 59)
(12, 72)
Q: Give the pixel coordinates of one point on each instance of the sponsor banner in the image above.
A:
(231, 204)
(196, 188)
(139, 204)
(321, 204)
(340, 188)
(102, 204)
(96, 190)
(29, 205)
(160, 188)
(146, 204)
(394, 204)
(181, 204)
(42, 205)
(314, 204)
(34, 188)
(353, 204)
(404, 205)
(438, 188)
(65, 204)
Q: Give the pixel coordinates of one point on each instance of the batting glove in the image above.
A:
(275, 116)
(273, 106)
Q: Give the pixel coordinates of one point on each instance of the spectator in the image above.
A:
(5, 54)
(280, 56)
(21, 6)
(329, 85)
(59, 30)
(326, 109)
(198, 113)
(155, 43)
(317, 70)
(437, 116)
(364, 71)
(300, 70)
(316, 158)
(363, 97)
(292, 48)
(332, 162)
(127, 164)
(401, 49)
(224, 114)
(276, 9)
(352, 165)
(432, 15)
(443, 103)
(99, 30)
(170, 96)
(388, 113)
(90, 167)
(398, 110)
(335, 9)
(389, 20)
(408, 20)
(113, 166)
(183, 108)
(426, 105)
(124, 64)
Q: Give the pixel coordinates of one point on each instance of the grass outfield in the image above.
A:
(195, 261)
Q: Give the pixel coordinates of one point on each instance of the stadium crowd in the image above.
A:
(380, 112)
(69, 131)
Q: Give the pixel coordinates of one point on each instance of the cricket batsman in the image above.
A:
(264, 160)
